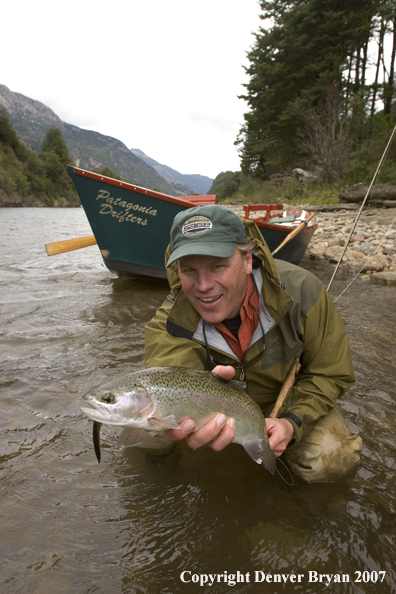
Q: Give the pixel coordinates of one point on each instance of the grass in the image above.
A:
(288, 192)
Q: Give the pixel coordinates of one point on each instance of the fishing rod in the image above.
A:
(362, 206)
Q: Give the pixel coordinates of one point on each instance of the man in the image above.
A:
(234, 311)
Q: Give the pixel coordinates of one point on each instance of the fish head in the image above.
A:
(115, 406)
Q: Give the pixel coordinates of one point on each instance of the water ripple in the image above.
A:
(135, 522)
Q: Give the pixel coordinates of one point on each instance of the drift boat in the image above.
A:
(131, 225)
(275, 224)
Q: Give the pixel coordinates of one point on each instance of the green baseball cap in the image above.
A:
(211, 230)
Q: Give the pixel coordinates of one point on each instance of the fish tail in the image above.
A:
(269, 463)
(254, 449)
(257, 453)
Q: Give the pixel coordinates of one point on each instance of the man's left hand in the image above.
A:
(280, 433)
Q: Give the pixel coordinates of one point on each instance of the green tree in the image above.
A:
(307, 49)
(26, 177)
(219, 181)
(108, 173)
(9, 138)
(55, 157)
(54, 141)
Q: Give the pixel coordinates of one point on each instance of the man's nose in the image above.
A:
(204, 281)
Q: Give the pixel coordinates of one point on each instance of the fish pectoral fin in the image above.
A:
(164, 423)
(130, 436)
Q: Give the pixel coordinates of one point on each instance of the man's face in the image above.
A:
(216, 287)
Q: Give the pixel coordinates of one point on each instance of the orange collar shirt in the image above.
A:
(249, 320)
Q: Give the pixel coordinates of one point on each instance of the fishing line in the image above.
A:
(362, 205)
(367, 261)
(288, 471)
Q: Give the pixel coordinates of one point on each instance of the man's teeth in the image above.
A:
(209, 299)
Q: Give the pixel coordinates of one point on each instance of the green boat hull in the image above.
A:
(131, 224)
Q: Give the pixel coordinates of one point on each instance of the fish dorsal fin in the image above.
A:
(130, 436)
(232, 382)
(168, 422)
(237, 384)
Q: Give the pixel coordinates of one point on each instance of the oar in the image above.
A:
(294, 233)
(285, 389)
(59, 247)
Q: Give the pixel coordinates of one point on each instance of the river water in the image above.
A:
(139, 523)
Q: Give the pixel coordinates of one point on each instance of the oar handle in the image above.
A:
(285, 389)
(60, 247)
(294, 233)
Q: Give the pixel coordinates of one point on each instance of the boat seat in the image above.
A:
(267, 208)
(277, 220)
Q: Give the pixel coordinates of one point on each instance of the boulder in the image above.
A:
(304, 176)
(383, 278)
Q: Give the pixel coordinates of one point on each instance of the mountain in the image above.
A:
(31, 120)
(199, 183)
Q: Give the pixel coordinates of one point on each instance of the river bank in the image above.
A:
(372, 249)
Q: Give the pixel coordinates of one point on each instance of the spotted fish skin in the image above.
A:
(159, 398)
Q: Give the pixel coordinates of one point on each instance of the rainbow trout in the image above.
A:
(159, 398)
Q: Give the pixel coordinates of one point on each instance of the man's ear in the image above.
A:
(249, 262)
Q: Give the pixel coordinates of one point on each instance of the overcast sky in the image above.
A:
(160, 75)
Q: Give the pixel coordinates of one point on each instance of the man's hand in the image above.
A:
(280, 433)
(217, 434)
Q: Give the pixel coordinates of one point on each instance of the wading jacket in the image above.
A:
(300, 321)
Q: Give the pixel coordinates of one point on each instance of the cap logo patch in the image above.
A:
(196, 226)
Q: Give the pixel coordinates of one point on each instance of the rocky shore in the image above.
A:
(372, 248)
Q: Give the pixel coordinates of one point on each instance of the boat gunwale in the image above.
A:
(260, 222)
(182, 200)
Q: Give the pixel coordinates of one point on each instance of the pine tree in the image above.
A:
(309, 49)
(26, 177)
(55, 157)
(54, 141)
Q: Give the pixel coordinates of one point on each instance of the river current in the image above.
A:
(144, 524)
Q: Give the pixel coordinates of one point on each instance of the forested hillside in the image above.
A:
(31, 119)
(321, 90)
(31, 179)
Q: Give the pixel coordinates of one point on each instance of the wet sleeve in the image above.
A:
(326, 372)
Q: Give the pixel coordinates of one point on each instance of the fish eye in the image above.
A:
(108, 397)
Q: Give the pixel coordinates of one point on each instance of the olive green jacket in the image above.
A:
(300, 321)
